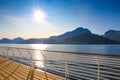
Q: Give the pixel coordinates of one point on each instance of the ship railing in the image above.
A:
(70, 65)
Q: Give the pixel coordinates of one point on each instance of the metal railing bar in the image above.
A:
(110, 64)
(87, 73)
(84, 75)
(80, 60)
(108, 76)
(86, 65)
(74, 68)
(108, 72)
(56, 70)
(52, 66)
(109, 61)
(79, 64)
(79, 76)
(109, 58)
(102, 64)
(75, 74)
(111, 69)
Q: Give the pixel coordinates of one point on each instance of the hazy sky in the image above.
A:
(44, 18)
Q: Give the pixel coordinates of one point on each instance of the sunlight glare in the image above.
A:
(37, 55)
(39, 46)
(38, 15)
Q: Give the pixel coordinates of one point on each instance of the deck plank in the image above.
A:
(11, 70)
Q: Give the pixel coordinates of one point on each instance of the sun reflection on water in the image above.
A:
(39, 46)
(37, 55)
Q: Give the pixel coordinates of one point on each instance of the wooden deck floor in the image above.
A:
(10, 70)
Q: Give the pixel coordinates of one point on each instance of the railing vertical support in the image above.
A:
(32, 71)
(98, 67)
(45, 61)
(66, 67)
(20, 55)
(3, 52)
(13, 56)
(7, 55)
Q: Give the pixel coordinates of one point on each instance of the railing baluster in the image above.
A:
(7, 53)
(32, 71)
(3, 52)
(32, 66)
(20, 55)
(66, 67)
(45, 61)
(98, 66)
(13, 56)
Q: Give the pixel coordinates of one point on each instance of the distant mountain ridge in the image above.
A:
(5, 40)
(75, 32)
(78, 36)
(88, 38)
(15, 40)
(113, 35)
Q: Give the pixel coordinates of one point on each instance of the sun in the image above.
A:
(38, 15)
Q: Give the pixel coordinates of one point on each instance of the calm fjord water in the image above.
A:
(102, 49)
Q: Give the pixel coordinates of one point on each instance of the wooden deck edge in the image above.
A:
(37, 71)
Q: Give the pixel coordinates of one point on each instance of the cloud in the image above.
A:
(17, 21)
(14, 20)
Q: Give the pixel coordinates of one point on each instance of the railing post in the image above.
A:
(3, 55)
(45, 61)
(98, 67)
(66, 67)
(32, 70)
(20, 55)
(7, 50)
(13, 56)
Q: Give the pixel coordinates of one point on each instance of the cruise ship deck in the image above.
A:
(11, 70)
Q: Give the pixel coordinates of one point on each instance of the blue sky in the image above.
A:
(19, 18)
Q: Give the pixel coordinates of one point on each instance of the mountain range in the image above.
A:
(113, 35)
(15, 40)
(78, 36)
